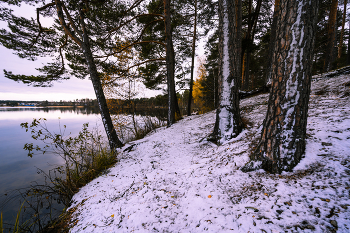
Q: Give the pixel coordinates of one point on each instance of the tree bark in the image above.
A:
(228, 120)
(113, 139)
(340, 46)
(272, 44)
(331, 37)
(282, 141)
(193, 55)
(170, 63)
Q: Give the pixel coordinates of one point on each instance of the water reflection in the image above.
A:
(78, 110)
(17, 170)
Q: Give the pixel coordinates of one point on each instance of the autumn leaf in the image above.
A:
(209, 196)
(112, 215)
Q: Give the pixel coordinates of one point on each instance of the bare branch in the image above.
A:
(60, 49)
(141, 63)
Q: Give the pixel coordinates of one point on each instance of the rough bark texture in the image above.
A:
(113, 139)
(193, 54)
(340, 46)
(272, 44)
(284, 129)
(170, 63)
(331, 36)
(228, 121)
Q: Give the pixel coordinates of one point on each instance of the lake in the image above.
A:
(17, 170)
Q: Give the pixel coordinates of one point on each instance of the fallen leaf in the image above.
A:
(112, 215)
(209, 196)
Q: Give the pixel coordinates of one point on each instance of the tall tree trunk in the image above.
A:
(348, 55)
(340, 46)
(170, 63)
(249, 38)
(284, 129)
(113, 139)
(272, 44)
(228, 120)
(193, 55)
(331, 30)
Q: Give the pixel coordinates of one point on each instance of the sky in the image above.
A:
(71, 89)
(10, 90)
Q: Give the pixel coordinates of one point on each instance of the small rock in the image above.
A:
(334, 223)
(279, 211)
(326, 144)
(311, 227)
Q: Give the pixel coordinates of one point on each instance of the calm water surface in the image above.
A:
(17, 170)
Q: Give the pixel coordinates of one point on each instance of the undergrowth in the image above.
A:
(84, 158)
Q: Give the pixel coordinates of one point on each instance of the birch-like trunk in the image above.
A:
(284, 129)
(228, 120)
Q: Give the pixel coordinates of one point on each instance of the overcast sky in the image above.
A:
(10, 90)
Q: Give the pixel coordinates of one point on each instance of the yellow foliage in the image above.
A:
(197, 88)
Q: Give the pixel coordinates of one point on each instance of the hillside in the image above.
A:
(174, 180)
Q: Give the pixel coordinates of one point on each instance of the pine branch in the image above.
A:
(132, 44)
(38, 20)
(109, 34)
(64, 25)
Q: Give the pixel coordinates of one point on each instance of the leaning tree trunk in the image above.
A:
(170, 64)
(228, 120)
(284, 129)
(113, 139)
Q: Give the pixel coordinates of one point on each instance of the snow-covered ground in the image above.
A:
(174, 180)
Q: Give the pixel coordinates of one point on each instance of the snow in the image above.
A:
(295, 53)
(173, 180)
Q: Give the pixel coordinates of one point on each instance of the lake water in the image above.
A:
(17, 170)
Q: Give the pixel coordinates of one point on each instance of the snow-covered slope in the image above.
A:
(173, 180)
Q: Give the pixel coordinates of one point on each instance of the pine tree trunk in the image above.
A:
(113, 139)
(228, 121)
(170, 63)
(348, 54)
(331, 37)
(284, 129)
(272, 44)
(193, 55)
(340, 46)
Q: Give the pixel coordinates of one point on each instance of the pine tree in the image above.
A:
(83, 37)
(284, 129)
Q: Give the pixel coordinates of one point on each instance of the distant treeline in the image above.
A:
(82, 102)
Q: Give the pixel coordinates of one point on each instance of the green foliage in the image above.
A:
(30, 40)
